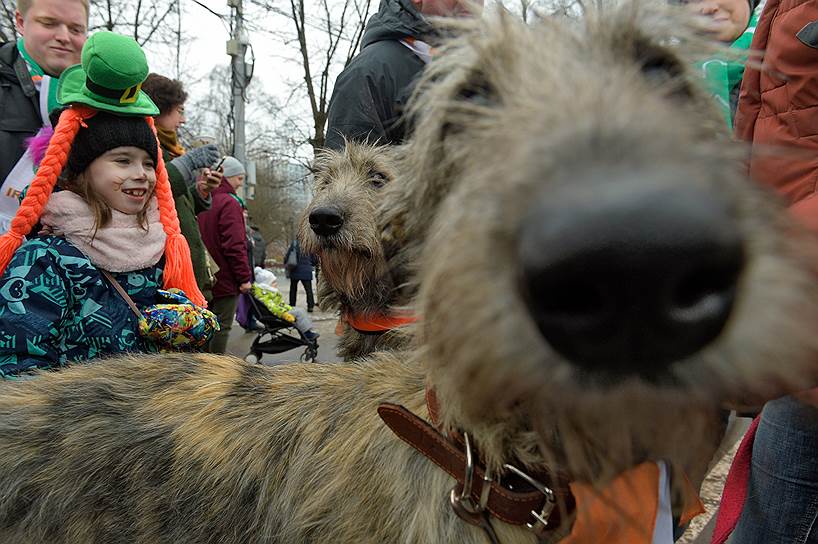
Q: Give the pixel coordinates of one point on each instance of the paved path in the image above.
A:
(701, 528)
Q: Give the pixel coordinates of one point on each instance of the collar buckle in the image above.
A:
(540, 524)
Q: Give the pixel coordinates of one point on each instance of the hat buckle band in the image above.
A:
(130, 94)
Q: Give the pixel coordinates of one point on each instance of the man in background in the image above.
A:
(52, 33)
(370, 95)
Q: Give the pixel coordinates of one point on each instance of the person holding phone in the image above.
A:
(210, 178)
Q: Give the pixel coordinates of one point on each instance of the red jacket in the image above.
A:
(225, 237)
(778, 106)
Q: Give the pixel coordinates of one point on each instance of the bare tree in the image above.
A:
(280, 190)
(280, 198)
(146, 21)
(8, 28)
(326, 36)
(532, 10)
(208, 114)
(525, 7)
(178, 36)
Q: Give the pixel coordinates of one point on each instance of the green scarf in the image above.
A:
(722, 75)
(37, 75)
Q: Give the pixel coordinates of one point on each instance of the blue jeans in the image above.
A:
(782, 499)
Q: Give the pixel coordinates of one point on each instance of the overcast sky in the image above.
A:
(275, 72)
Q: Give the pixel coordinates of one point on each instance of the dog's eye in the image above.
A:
(378, 180)
(478, 90)
(662, 68)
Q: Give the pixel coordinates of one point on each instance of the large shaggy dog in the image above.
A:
(340, 226)
(596, 279)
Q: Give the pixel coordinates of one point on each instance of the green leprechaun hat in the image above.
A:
(109, 78)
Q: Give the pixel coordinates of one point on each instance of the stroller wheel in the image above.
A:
(252, 358)
(310, 354)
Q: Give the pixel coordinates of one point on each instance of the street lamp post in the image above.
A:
(236, 48)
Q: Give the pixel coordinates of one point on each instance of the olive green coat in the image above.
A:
(189, 203)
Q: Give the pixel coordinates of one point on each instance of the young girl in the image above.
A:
(114, 222)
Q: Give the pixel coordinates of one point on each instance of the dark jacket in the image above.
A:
(189, 204)
(57, 307)
(303, 270)
(370, 93)
(259, 248)
(777, 104)
(19, 108)
(224, 236)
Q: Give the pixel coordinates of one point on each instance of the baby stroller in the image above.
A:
(277, 336)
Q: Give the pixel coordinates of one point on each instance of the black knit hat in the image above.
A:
(105, 132)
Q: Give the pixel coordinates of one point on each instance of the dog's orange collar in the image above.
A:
(375, 323)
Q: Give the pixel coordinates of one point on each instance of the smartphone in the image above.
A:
(219, 164)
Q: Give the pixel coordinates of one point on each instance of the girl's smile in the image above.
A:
(135, 192)
(123, 178)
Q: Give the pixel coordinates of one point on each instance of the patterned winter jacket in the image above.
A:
(57, 307)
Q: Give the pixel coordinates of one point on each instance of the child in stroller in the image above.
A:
(279, 321)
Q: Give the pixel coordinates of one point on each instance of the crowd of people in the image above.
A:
(223, 246)
(101, 220)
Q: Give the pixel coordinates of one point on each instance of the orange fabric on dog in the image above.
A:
(625, 512)
(378, 322)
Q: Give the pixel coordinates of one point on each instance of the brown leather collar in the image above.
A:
(513, 502)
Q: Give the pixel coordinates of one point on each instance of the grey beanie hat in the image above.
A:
(232, 167)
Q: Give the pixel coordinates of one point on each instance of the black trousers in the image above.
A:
(294, 291)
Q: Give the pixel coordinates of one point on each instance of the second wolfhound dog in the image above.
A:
(340, 226)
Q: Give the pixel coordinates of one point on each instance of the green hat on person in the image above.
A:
(109, 78)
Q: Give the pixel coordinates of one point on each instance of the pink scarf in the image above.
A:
(121, 246)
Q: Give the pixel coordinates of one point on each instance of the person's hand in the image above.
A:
(208, 180)
(245, 287)
(194, 159)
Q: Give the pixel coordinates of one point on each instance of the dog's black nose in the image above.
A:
(629, 281)
(326, 221)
